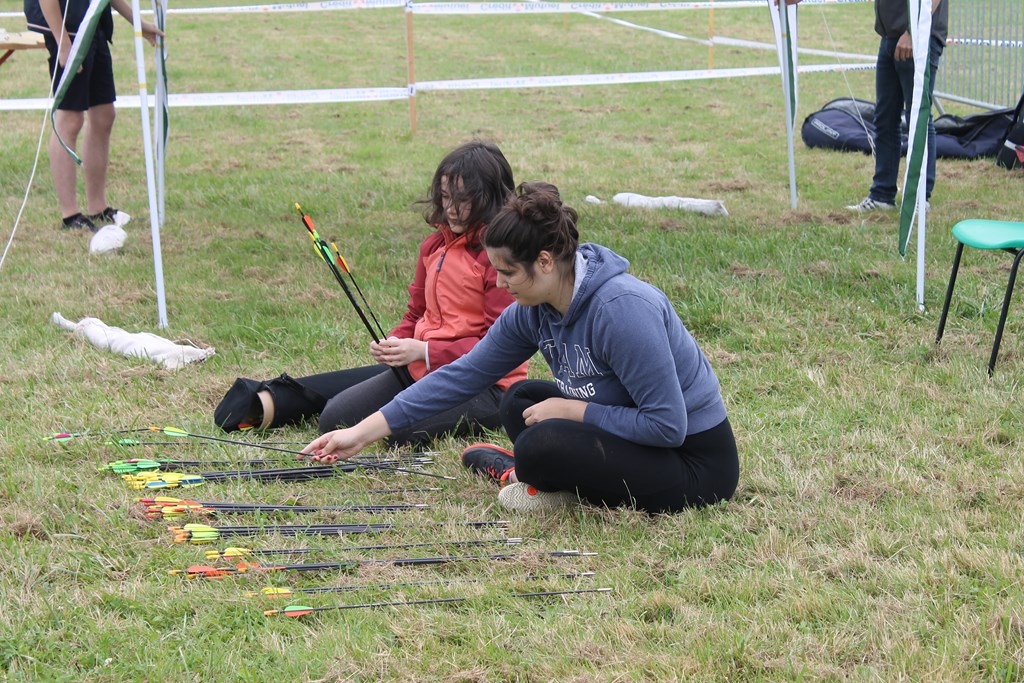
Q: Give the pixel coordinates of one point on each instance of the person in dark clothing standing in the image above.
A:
(894, 88)
(88, 104)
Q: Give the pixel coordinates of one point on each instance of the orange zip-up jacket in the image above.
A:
(453, 300)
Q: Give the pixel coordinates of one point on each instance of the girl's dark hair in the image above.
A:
(535, 220)
(486, 183)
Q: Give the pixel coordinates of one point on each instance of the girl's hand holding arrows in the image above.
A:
(398, 352)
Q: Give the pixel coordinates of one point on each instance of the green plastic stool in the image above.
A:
(984, 234)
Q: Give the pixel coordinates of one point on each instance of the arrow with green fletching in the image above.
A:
(296, 611)
(202, 533)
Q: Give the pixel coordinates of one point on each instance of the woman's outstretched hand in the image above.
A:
(333, 446)
(342, 444)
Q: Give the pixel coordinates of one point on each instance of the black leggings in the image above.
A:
(360, 392)
(563, 455)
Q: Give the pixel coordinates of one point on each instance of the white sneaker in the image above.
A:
(868, 204)
(525, 498)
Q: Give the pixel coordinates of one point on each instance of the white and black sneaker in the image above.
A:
(868, 205)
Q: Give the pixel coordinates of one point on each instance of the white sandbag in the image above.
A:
(110, 237)
(139, 344)
(709, 207)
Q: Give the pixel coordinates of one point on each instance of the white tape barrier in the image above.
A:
(225, 99)
(380, 94)
(451, 8)
(738, 42)
(326, 6)
(492, 8)
(625, 78)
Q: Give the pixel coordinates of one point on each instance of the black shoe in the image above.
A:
(489, 460)
(104, 217)
(78, 222)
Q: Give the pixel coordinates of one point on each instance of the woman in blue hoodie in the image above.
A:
(634, 416)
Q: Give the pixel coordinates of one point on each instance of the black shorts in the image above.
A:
(95, 84)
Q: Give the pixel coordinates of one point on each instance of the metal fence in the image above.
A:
(983, 62)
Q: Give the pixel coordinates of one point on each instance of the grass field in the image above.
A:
(876, 533)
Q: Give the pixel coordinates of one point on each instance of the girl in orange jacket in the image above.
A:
(453, 301)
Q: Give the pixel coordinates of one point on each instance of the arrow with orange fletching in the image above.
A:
(167, 508)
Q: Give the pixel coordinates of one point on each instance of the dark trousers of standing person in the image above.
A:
(894, 92)
(603, 469)
(360, 392)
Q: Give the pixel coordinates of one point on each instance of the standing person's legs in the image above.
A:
(96, 156)
(96, 142)
(889, 95)
(67, 124)
(69, 120)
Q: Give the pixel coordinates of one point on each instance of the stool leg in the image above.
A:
(1002, 315)
(949, 290)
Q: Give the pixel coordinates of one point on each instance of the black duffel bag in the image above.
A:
(1011, 152)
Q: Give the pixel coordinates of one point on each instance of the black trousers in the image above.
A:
(359, 392)
(563, 455)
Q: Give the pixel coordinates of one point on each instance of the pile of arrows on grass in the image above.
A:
(154, 473)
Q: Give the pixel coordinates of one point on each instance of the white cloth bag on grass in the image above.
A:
(138, 344)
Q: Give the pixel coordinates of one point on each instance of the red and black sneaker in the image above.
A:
(489, 460)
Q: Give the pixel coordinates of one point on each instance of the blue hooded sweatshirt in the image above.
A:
(620, 347)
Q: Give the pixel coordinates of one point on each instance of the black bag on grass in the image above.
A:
(1011, 150)
(848, 125)
(242, 407)
(845, 124)
(971, 137)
